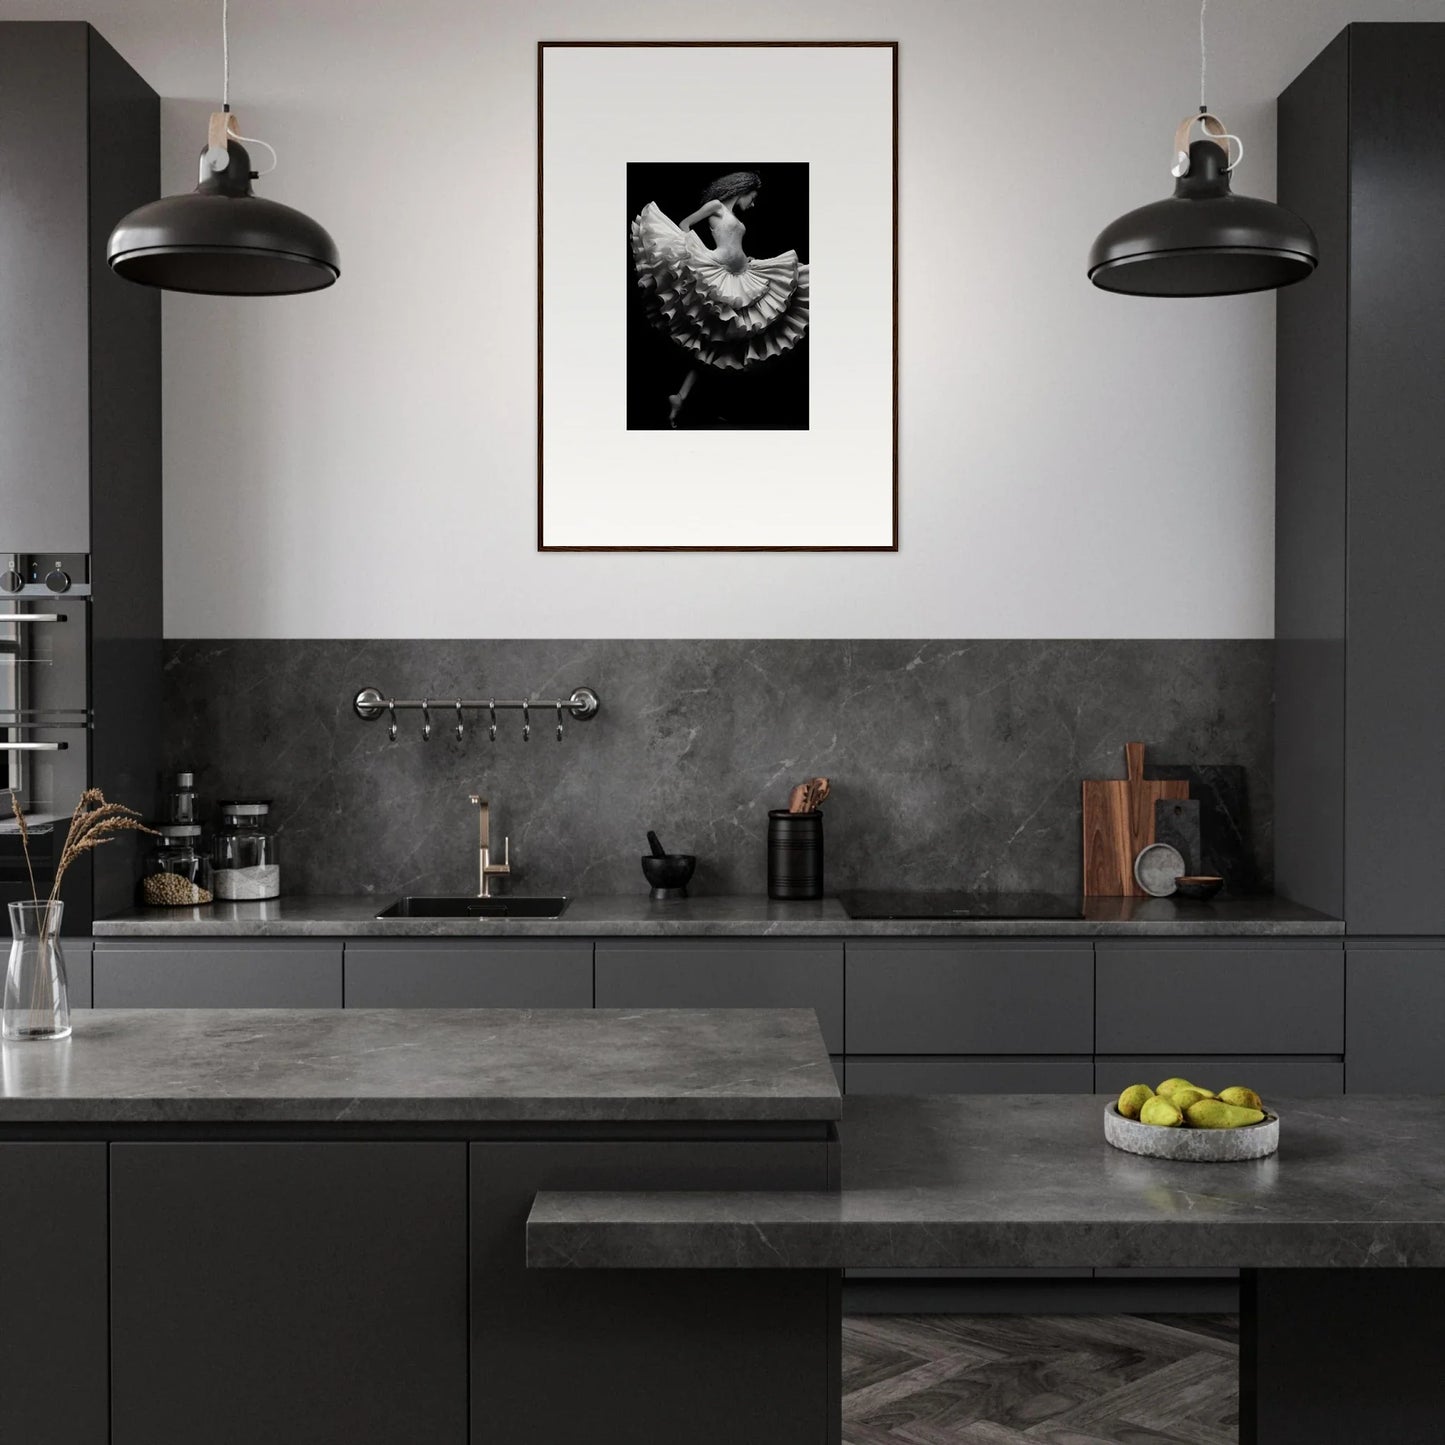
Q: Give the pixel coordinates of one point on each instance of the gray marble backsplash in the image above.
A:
(954, 764)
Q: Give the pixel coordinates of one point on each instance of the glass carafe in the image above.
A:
(37, 1001)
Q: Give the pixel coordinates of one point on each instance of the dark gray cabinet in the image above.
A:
(1396, 1014)
(722, 973)
(53, 1324)
(247, 1286)
(77, 953)
(1161, 996)
(1360, 592)
(487, 973)
(80, 420)
(1274, 1077)
(80, 388)
(769, 1327)
(210, 973)
(970, 1076)
(950, 996)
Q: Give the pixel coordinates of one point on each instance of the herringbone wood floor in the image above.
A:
(1040, 1380)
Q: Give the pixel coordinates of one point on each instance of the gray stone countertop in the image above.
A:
(637, 916)
(448, 1066)
(1027, 1180)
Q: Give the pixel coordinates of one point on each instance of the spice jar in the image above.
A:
(178, 798)
(177, 872)
(244, 859)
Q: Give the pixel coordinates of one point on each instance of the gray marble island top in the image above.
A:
(1027, 1180)
(422, 1066)
(637, 916)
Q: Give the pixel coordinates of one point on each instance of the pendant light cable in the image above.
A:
(226, 92)
(1203, 55)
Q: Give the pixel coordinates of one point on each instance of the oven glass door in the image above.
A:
(44, 737)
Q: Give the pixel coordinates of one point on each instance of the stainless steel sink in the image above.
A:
(473, 907)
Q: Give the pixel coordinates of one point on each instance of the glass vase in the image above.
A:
(37, 1001)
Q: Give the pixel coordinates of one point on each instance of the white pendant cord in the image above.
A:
(218, 159)
(1203, 54)
(1211, 124)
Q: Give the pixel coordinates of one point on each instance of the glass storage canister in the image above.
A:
(177, 872)
(244, 861)
(178, 798)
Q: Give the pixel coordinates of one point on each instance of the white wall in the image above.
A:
(361, 463)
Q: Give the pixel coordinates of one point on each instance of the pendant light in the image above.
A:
(1203, 240)
(222, 239)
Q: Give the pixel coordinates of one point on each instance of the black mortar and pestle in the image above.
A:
(667, 872)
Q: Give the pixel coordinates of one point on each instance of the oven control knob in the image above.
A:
(11, 580)
(58, 581)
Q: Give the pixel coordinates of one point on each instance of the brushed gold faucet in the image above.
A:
(487, 870)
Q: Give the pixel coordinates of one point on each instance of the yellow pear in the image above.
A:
(1244, 1098)
(1133, 1099)
(1191, 1094)
(1160, 1111)
(1215, 1114)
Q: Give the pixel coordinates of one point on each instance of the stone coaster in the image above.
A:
(1194, 1146)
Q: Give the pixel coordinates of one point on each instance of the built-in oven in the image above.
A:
(45, 720)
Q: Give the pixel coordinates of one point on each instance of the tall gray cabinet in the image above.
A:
(1360, 523)
(80, 447)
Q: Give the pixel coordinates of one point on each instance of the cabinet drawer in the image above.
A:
(1229, 998)
(77, 970)
(1396, 1019)
(1297, 1078)
(925, 997)
(970, 1076)
(703, 973)
(202, 973)
(492, 974)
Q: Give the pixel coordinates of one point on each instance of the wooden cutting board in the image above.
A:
(1118, 822)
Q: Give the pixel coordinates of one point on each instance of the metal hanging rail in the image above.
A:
(371, 703)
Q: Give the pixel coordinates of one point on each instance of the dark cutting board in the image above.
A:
(1119, 822)
(1176, 822)
(1226, 833)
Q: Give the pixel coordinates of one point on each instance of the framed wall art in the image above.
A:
(717, 296)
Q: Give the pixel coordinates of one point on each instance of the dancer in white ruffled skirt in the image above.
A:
(724, 308)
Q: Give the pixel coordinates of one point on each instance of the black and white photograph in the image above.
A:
(717, 296)
(717, 264)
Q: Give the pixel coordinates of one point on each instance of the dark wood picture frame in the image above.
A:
(542, 47)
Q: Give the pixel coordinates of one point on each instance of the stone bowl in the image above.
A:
(1194, 1146)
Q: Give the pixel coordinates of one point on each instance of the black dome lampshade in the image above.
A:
(222, 239)
(1203, 240)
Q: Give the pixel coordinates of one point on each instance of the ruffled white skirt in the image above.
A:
(728, 319)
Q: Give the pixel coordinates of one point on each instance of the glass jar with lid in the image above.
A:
(177, 871)
(244, 861)
(178, 798)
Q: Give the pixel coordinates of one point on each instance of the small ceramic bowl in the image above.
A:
(1157, 868)
(1202, 886)
(1193, 1146)
(669, 874)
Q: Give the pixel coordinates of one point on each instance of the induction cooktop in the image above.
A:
(869, 903)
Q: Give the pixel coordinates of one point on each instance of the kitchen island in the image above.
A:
(309, 1226)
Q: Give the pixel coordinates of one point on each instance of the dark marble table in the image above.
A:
(721, 916)
(1028, 1181)
(1340, 1236)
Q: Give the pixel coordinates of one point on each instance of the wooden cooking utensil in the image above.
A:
(1119, 822)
